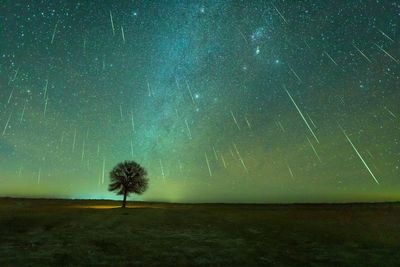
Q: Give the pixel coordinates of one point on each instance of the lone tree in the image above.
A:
(128, 177)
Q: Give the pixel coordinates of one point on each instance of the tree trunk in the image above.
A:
(124, 201)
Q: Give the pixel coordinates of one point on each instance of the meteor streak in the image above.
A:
(358, 154)
(280, 14)
(188, 129)
(361, 52)
(234, 119)
(162, 170)
(384, 51)
(6, 126)
(301, 114)
(334, 62)
(313, 148)
(208, 164)
(54, 33)
(384, 34)
(112, 23)
(240, 158)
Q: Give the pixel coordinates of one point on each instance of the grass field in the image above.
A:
(87, 233)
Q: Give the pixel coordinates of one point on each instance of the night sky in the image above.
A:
(227, 101)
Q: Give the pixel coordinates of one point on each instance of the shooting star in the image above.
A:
(301, 114)
(280, 14)
(112, 23)
(361, 52)
(235, 121)
(84, 46)
(45, 107)
(39, 175)
(123, 34)
(334, 62)
(384, 34)
(22, 114)
(54, 33)
(312, 122)
(240, 157)
(295, 74)
(190, 92)
(149, 88)
(247, 122)
(358, 154)
(290, 171)
(104, 171)
(384, 51)
(74, 141)
(45, 89)
(62, 138)
(215, 153)
(6, 126)
(162, 170)
(390, 112)
(188, 129)
(208, 164)
(11, 94)
(279, 124)
(83, 150)
(313, 148)
(243, 36)
(120, 111)
(223, 160)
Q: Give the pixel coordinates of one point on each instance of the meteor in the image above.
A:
(74, 141)
(123, 34)
(162, 170)
(280, 14)
(223, 160)
(240, 158)
(313, 148)
(112, 23)
(208, 164)
(334, 62)
(361, 52)
(39, 175)
(295, 74)
(104, 170)
(54, 33)
(188, 129)
(234, 119)
(215, 153)
(301, 114)
(290, 171)
(390, 112)
(358, 154)
(384, 51)
(247, 122)
(6, 126)
(22, 114)
(190, 92)
(384, 34)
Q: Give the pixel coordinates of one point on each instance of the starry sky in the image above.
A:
(221, 101)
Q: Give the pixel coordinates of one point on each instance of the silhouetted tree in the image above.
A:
(128, 177)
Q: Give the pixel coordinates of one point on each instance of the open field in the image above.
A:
(87, 233)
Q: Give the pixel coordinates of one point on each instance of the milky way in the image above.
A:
(232, 101)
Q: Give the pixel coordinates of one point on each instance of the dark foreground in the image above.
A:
(87, 233)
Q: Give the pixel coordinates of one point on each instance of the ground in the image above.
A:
(86, 233)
